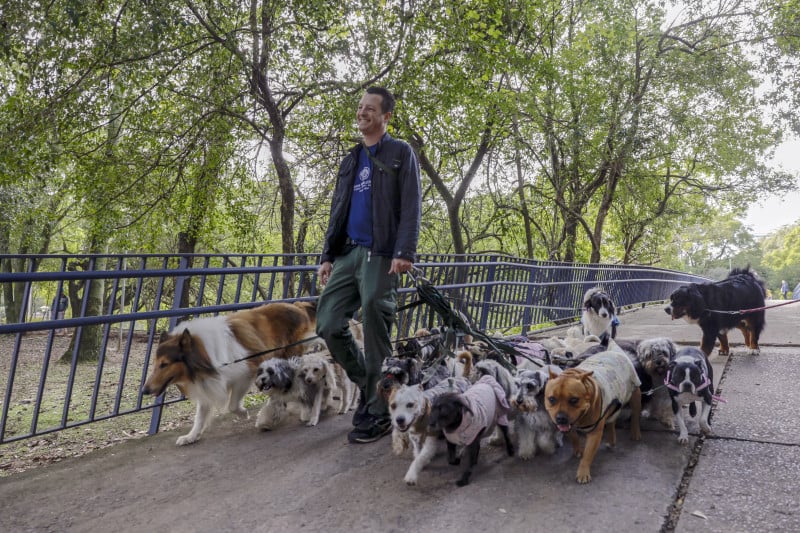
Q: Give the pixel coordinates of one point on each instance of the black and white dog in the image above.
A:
(598, 314)
(690, 378)
(282, 379)
(714, 306)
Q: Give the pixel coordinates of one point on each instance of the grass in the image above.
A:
(115, 387)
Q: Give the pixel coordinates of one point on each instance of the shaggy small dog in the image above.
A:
(533, 427)
(466, 418)
(281, 379)
(409, 409)
(654, 356)
(396, 372)
(327, 385)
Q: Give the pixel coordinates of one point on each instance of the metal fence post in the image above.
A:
(155, 418)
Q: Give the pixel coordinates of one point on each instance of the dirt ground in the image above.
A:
(100, 380)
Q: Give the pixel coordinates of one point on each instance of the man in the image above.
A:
(371, 239)
(60, 305)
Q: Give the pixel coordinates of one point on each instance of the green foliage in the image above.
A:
(558, 130)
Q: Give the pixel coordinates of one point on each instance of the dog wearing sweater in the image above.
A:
(465, 418)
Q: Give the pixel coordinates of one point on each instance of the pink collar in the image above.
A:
(702, 386)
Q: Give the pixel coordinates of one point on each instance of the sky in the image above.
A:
(769, 214)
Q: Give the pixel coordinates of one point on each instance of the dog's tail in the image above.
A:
(466, 358)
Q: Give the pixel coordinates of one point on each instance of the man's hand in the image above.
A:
(324, 272)
(400, 265)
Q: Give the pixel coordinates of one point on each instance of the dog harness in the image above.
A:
(488, 405)
(702, 386)
(615, 375)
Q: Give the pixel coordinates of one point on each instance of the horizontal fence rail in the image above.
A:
(90, 364)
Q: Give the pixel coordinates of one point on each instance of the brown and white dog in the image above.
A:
(198, 357)
(587, 399)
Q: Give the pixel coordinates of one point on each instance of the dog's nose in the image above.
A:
(687, 387)
(562, 419)
(668, 310)
(400, 420)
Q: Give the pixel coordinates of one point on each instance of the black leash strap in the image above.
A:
(392, 174)
(265, 352)
(612, 408)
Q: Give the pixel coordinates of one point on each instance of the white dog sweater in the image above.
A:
(615, 375)
(487, 401)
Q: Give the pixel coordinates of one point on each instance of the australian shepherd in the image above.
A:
(198, 357)
(598, 314)
(710, 306)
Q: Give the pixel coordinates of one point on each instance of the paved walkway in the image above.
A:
(308, 479)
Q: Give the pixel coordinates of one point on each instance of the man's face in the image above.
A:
(371, 119)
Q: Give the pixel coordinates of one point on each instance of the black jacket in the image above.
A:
(396, 202)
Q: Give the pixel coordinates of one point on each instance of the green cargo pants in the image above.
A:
(360, 280)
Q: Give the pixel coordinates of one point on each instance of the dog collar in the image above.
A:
(702, 386)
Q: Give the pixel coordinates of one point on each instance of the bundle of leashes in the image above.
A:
(455, 324)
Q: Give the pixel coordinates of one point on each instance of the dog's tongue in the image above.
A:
(564, 428)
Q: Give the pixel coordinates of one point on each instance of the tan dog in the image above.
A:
(208, 359)
(587, 398)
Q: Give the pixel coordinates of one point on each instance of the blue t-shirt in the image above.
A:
(359, 220)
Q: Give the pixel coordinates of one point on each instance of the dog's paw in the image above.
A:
(455, 461)
(583, 477)
(683, 438)
(186, 439)
(312, 423)
(463, 480)
(410, 480)
(667, 422)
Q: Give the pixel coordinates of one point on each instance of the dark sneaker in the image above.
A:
(360, 415)
(372, 431)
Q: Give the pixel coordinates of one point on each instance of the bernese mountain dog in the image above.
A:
(709, 305)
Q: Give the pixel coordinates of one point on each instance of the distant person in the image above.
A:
(784, 288)
(60, 305)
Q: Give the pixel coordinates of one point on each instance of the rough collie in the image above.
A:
(198, 357)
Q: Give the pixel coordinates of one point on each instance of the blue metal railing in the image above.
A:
(142, 294)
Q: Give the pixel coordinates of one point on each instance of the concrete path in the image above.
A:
(743, 478)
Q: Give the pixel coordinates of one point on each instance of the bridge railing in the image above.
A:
(90, 365)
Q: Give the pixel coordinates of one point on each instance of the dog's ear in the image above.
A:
(185, 342)
(164, 336)
(551, 374)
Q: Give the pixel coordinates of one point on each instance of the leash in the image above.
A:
(615, 405)
(265, 352)
(754, 310)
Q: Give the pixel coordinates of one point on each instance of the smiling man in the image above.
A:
(371, 239)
